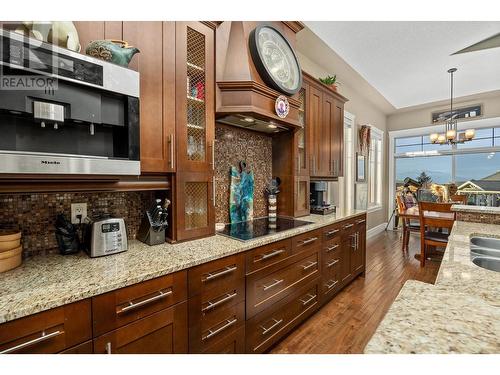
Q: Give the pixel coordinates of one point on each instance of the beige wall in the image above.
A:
(421, 116)
(365, 103)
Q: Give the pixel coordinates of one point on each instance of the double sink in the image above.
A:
(485, 252)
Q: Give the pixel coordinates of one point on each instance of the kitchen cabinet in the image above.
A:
(163, 332)
(155, 40)
(50, 331)
(194, 93)
(325, 123)
(194, 205)
(244, 302)
(217, 306)
(301, 145)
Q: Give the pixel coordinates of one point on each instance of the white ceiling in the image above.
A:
(407, 61)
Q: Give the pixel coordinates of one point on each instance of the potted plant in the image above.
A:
(330, 81)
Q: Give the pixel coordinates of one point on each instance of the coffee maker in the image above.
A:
(320, 198)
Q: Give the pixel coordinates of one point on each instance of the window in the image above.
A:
(375, 177)
(473, 166)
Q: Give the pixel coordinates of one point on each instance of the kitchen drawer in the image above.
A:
(348, 226)
(84, 348)
(50, 331)
(331, 251)
(268, 255)
(163, 332)
(330, 285)
(265, 290)
(122, 306)
(331, 232)
(215, 326)
(269, 326)
(233, 343)
(306, 241)
(220, 273)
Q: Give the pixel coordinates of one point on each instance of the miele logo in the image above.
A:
(50, 162)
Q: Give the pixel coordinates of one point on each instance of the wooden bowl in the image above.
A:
(11, 259)
(9, 235)
(9, 245)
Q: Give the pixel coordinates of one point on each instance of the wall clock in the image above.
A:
(275, 59)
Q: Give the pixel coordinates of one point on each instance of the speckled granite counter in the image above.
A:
(45, 282)
(476, 209)
(459, 314)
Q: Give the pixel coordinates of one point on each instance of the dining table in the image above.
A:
(412, 213)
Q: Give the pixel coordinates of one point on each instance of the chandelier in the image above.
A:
(451, 136)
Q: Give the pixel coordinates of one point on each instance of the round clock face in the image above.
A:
(275, 60)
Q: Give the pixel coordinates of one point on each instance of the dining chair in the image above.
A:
(434, 216)
(459, 198)
(407, 225)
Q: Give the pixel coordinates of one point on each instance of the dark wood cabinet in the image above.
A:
(358, 252)
(217, 305)
(324, 112)
(163, 332)
(194, 205)
(50, 331)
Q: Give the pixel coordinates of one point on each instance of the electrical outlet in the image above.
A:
(76, 210)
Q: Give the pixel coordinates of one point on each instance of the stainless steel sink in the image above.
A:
(485, 242)
(482, 251)
(489, 263)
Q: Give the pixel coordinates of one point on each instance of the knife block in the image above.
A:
(148, 234)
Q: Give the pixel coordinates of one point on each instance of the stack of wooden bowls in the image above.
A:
(10, 249)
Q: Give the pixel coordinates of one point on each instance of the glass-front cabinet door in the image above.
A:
(195, 206)
(301, 138)
(195, 96)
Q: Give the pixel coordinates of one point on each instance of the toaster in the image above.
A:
(105, 236)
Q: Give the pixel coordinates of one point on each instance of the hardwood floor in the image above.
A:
(346, 324)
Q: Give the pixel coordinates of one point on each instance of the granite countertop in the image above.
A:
(459, 314)
(476, 209)
(45, 282)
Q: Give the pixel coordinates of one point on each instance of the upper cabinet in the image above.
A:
(324, 128)
(195, 106)
(302, 136)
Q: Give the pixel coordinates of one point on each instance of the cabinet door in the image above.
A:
(338, 139)
(195, 205)
(314, 105)
(302, 137)
(195, 106)
(157, 122)
(164, 332)
(301, 194)
(358, 251)
(326, 159)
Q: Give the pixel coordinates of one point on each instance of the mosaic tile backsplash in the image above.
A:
(231, 146)
(35, 214)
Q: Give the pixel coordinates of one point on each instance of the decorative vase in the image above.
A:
(272, 208)
(333, 86)
(115, 51)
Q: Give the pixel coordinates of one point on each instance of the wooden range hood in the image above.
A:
(241, 94)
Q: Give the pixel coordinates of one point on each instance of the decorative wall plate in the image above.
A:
(275, 59)
(281, 106)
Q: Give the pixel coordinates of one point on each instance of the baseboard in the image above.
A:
(375, 230)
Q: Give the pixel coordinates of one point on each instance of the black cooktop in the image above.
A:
(249, 230)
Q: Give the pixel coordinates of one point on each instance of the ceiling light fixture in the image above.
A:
(451, 135)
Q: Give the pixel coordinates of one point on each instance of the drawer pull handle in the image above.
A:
(212, 305)
(330, 286)
(132, 305)
(360, 221)
(331, 248)
(333, 262)
(308, 241)
(347, 226)
(108, 348)
(311, 298)
(276, 282)
(228, 324)
(41, 338)
(311, 264)
(228, 269)
(332, 232)
(269, 255)
(265, 330)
